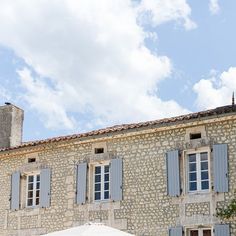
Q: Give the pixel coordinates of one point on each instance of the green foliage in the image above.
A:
(229, 211)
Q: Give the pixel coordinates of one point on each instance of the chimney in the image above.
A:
(11, 125)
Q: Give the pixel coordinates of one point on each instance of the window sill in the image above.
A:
(101, 205)
(101, 201)
(199, 192)
(27, 211)
(31, 207)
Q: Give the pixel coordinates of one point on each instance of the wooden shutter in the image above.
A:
(116, 179)
(173, 174)
(81, 183)
(220, 159)
(45, 187)
(176, 231)
(222, 230)
(15, 191)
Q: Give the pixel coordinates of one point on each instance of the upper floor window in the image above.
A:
(33, 190)
(198, 171)
(101, 182)
(98, 150)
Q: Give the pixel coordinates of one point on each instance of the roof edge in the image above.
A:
(127, 127)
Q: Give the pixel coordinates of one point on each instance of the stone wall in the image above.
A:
(146, 209)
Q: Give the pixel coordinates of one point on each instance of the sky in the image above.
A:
(74, 65)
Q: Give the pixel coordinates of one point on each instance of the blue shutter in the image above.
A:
(176, 231)
(45, 187)
(81, 183)
(116, 179)
(173, 175)
(220, 158)
(15, 191)
(222, 230)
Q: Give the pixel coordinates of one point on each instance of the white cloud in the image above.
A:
(46, 101)
(214, 7)
(161, 11)
(90, 59)
(217, 90)
(4, 94)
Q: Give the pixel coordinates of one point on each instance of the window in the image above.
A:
(195, 136)
(30, 160)
(199, 232)
(198, 171)
(99, 150)
(33, 190)
(101, 182)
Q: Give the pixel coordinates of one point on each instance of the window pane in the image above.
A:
(37, 193)
(97, 187)
(205, 185)
(193, 186)
(37, 201)
(30, 194)
(192, 176)
(106, 169)
(31, 178)
(204, 156)
(38, 177)
(192, 166)
(97, 196)
(97, 169)
(106, 177)
(106, 195)
(194, 233)
(206, 232)
(30, 186)
(204, 165)
(106, 186)
(38, 185)
(30, 202)
(192, 158)
(204, 175)
(97, 178)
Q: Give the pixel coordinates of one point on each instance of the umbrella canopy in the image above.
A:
(90, 229)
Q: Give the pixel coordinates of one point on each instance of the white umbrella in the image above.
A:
(90, 229)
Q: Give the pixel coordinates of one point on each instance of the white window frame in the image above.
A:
(35, 174)
(200, 230)
(186, 168)
(102, 182)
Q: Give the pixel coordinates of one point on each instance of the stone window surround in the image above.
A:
(185, 168)
(25, 170)
(200, 228)
(99, 145)
(24, 189)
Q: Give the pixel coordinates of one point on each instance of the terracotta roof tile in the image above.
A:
(166, 121)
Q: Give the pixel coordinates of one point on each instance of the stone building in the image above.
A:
(156, 178)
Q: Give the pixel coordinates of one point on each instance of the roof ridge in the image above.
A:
(121, 127)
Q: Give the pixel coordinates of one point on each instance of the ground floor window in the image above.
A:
(33, 189)
(200, 232)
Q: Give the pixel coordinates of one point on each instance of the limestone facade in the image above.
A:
(146, 209)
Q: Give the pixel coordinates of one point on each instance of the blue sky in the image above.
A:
(75, 66)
